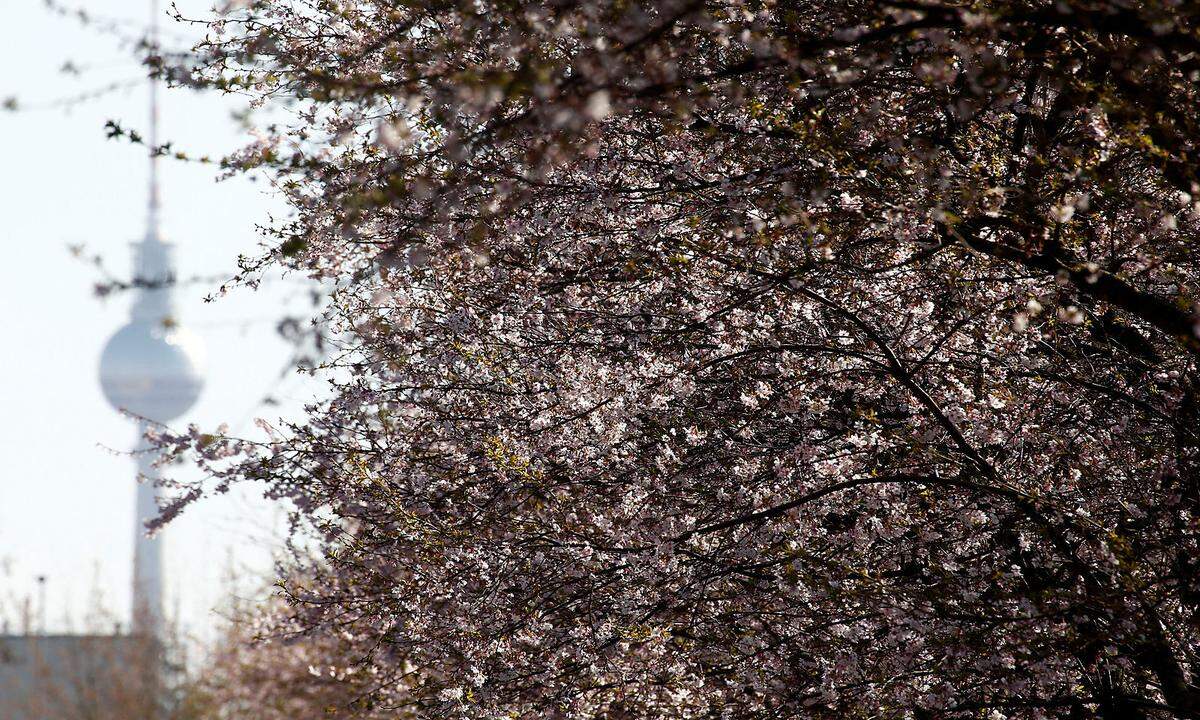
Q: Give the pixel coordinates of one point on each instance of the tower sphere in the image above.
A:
(153, 369)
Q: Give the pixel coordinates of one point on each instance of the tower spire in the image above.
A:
(154, 197)
(154, 269)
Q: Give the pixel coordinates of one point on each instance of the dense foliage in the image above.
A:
(724, 359)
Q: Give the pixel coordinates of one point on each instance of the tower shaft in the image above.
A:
(147, 551)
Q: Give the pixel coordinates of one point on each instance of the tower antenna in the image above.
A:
(156, 66)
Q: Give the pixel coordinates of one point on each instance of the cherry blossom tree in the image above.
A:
(738, 359)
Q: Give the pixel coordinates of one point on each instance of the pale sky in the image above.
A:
(66, 503)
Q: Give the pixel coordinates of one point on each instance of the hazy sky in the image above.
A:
(66, 502)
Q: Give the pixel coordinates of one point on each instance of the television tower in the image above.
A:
(151, 368)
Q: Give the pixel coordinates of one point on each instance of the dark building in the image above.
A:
(78, 677)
